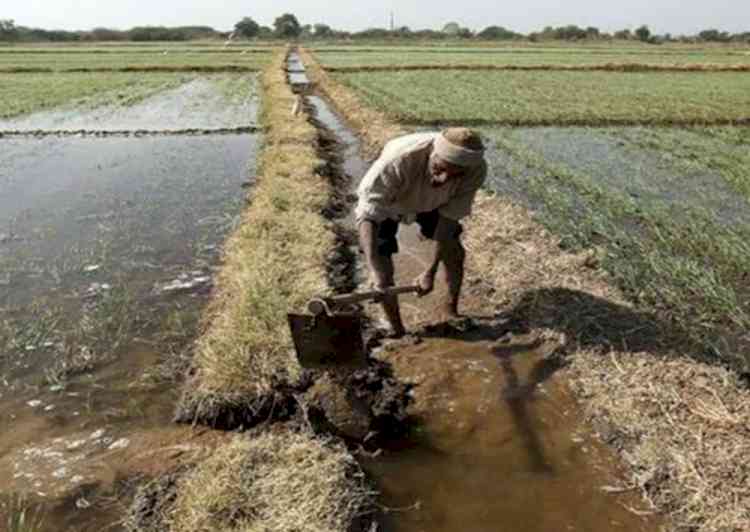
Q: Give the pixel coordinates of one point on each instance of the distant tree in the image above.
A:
(287, 26)
(465, 33)
(372, 33)
(107, 34)
(497, 33)
(247, 27)
(714, 35)
(625, 35)
(322, 31)
(8, 30)
(592, 33)
(452, 28)
(643, 33)
(265, 32)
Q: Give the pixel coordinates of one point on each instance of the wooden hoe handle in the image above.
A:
(322, 305)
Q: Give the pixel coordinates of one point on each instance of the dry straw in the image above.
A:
(273, 263)
(280, 480)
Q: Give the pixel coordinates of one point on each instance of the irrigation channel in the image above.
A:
(108, 246)
(498, 442)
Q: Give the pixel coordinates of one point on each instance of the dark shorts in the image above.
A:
(387, 230)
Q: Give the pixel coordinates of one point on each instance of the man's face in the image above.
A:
(443, 172)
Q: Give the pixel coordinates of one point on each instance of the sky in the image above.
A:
(662, 16)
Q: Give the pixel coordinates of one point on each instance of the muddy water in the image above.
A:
(499, 443)
(107, 250)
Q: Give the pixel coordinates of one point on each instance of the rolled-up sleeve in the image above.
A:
(379, 189)
(460, 205)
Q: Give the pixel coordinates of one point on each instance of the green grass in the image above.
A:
(25, 93)
(547, 97)
(674, 258)
(61, 61)
(520, 57)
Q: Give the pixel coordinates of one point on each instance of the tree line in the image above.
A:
(287, 26)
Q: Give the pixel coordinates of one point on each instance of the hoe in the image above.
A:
(331, 334)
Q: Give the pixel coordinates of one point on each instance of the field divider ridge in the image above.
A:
(604, 67)
(583, 122)
(39, 133)
(208, 69)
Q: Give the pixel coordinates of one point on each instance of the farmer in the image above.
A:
(430, 178)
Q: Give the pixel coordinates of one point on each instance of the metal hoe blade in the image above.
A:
(326, 342)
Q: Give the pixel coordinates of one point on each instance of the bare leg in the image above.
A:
(390, 303)
(453, 261)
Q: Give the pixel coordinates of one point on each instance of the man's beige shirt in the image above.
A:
(397, 186)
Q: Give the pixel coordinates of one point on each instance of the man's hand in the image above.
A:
(425, 283)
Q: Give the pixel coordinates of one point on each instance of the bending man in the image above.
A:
(430, 178)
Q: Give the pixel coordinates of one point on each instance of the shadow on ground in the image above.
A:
(587, 321)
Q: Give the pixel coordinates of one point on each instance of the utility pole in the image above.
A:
(393, 27)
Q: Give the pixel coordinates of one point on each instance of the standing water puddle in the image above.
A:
(499, 443)
(107, 253)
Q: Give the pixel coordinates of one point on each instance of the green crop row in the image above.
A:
(24, 93)
(159, 58)
(555, 97)
(522, 57)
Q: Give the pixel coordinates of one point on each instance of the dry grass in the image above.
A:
(280, 480)
(605, 67)
(273, 263)
(375, 127)
(680, 424)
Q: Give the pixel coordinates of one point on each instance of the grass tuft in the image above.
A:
(277, 480)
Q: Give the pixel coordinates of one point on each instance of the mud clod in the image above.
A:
(152, 502)
(358, 405)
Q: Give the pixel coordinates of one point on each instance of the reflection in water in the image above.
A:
(112, 246)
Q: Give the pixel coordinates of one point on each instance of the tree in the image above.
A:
(247, 27)
(625, 35)
(287, 26)
(593, 32)
(452, 29)
(322, 31)
(643, 33)
(497, 33)
(8, 30)
(713, 35)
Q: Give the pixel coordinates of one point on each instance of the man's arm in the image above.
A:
(368, 240)
(443, 249)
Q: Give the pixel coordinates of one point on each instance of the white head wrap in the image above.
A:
(455, 154)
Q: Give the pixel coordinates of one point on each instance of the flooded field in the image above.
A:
(107, 253)
(199, 103)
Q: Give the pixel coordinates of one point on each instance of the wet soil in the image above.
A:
(197, 104)
(499, 441)
(107, 251)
